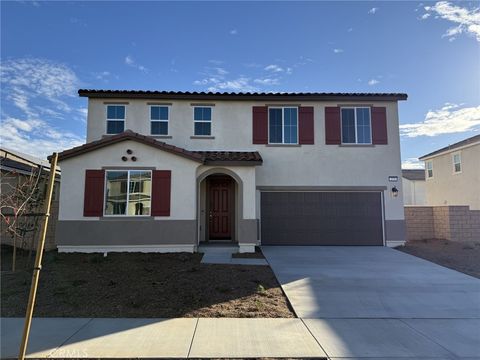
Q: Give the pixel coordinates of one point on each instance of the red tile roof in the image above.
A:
(232, 157)
(205, 157)
(128, 135)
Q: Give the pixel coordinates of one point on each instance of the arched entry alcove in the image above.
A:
(219, 206)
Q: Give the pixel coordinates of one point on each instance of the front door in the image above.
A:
(220, 208)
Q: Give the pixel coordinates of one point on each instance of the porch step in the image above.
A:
(215, 254)
(218, 248)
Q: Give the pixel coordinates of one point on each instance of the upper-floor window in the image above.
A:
(429, 167)
(128, 192)
(159, 120)
(283, 125)
(356, 125)
(457, 163)
(115, 119)
(202, 118)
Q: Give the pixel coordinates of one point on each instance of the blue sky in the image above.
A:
(430, 50)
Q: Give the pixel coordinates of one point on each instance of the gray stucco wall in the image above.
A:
(126, 232)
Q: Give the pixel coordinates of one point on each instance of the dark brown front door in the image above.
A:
(220, 208)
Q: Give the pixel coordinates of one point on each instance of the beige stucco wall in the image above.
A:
(413, 192)
(449, 188)
(307, 165)
(186, 191)
(183, 177)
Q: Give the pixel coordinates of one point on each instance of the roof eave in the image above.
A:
(125, 136)
(240, 96)
(234, 162)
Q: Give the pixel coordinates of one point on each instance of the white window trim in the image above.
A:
(426, 169)
(203, 121)
(355, 117)
(460, 162)
(124, 119)
(128, 193)
(283, 124)
(167, 121)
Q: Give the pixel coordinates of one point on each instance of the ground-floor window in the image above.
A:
(128, 192)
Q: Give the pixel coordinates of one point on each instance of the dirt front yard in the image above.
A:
(463, 257)
(142, 285)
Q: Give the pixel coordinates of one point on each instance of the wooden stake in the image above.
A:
(38, 259)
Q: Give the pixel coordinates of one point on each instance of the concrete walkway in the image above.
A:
(161, 338)
(362, 302)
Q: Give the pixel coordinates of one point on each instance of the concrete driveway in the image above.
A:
(379, 302)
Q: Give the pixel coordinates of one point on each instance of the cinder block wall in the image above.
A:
(455, 223)
(419, 222)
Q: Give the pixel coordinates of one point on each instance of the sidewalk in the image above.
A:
(161, 338)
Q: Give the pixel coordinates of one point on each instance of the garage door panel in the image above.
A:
(321, 218)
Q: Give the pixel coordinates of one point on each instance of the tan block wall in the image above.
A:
(50, 243)
(419, 222)
(455, 223)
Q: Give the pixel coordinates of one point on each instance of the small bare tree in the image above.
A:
(20, 205)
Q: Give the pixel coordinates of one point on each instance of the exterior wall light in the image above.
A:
(124, 158)
(394, 191)
(133, 158)
(129, 152)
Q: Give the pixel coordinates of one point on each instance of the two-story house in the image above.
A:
(453, 174)
(167, 171)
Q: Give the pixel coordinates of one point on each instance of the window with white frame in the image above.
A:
(115, 119)
(356, 125)
(202, 118)
(457, 163)
(283, 125)
(429, 167)
(159, 120)
(128, 192)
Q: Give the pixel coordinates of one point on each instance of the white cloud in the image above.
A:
(447, 120)
(266, 81)
(372, 82)
(39, 77)
(132, 63)
(466, 20)
(349, 29)
(241, 84)
(215, 79)
(233, 32)
(373, 10)
(102, 75)
(412, 163)
(338, 51)
(38, 88)
(273, 68)
(425, 16)
(36, 137)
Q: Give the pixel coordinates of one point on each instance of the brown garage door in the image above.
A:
(321, 218)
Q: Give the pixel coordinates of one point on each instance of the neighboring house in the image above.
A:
(167, 171)
(16, 168)
(453, 174)
(413, 181)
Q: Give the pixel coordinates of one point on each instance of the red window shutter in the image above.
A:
(161, 189)
(332, 126)
(93, 196)
(379, 125)
(260, 125)
(305, 125)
